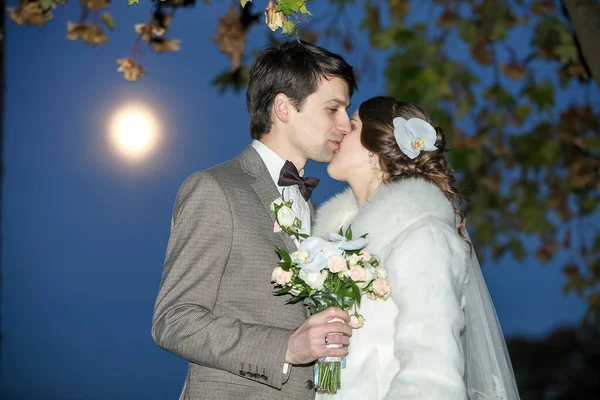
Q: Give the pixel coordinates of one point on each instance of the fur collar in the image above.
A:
(390, 210)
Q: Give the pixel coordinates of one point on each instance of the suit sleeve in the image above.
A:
(197, 253)
(427, 288)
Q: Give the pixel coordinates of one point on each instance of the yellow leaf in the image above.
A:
(130, 2)
(244, 2)
(108, 21)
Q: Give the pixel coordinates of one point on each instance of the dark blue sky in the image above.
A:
(85, 231)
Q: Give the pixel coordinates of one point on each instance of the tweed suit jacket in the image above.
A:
(215, 305)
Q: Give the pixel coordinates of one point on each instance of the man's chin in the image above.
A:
(324, 157)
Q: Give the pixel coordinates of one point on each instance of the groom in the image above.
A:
(215, 306)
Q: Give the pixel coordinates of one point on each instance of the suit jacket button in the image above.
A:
(310, 385)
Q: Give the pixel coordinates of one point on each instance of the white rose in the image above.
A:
(286, 217)
(370, 274)
(278, 202)
(381, 273)
(280, 276)
(353, 259)
(315, 280)
(299, 257)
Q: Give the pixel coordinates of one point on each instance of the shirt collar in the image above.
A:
(271, 159)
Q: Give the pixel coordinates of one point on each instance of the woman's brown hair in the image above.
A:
(377, 115)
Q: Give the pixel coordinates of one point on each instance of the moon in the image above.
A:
(134, 132)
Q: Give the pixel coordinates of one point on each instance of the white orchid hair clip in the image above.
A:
(414, 136)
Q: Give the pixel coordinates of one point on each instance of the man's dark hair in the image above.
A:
(294, 68)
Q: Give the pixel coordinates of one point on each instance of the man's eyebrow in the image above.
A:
(340, 102)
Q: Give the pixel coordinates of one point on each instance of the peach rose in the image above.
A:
(357, 273)
(336, 263)
(356, 321)
(382, 288)
(280, 276)
(365, 255)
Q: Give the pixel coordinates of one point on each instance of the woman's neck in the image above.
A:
(364, 188)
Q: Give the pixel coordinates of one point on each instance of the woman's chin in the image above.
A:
(335, 173)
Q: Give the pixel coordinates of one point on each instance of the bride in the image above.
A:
(438, 336)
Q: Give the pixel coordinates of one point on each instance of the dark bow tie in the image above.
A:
(289, 176)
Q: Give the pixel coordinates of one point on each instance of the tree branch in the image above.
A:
(585, 16)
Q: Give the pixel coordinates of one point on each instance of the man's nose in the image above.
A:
(344, 126)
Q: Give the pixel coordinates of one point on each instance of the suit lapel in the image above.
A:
(264, 187)
(313, 214)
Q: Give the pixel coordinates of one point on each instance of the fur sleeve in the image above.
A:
(427, 271)
(334, 214)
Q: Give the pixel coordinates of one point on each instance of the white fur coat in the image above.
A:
(410, 346)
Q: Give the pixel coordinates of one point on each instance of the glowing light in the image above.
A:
(134, 132)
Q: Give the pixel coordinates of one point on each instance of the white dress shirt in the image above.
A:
(274, 164)
(291, 193)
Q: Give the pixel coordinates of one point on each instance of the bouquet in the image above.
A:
(333, 273)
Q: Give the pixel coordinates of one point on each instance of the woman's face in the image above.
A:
(351, 159)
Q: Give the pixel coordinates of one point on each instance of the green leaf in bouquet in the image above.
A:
(284, 255)
(341, 231)
(283, 290)
(285, 266)
(342, 294)
(349, 233)
(356, 293)
(297, 299)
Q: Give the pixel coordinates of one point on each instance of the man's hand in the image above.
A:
(308, 343)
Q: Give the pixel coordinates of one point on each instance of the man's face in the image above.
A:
(320, 126)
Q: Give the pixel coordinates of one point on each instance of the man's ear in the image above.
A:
(282, 107)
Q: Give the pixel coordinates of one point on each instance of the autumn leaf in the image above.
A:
(29, 13)
(482, 54)
(46, 5)
(130, 2)
(519, 114)
(571, 270)
(540, 7)
(273, 18)
(160, 45)
(547, 250)
(231, 36)
(448, 19)
(108, 21)
(398, 7)
(244, 2)
(513, 70)
(130, 70)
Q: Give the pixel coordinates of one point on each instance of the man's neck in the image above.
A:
(284, 150)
